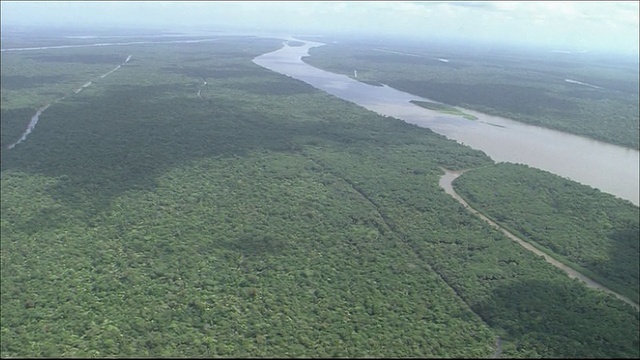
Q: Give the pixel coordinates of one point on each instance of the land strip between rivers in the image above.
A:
(446, 182)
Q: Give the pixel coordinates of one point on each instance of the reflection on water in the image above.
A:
(610, 168)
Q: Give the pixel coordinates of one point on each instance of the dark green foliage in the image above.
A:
(14, 123)
(539, 336)
(79, 58)
(139, 219)
(446, 109)
(527, 86)
(19, 82)
(489, 271)
(591, 229)
(506, 97)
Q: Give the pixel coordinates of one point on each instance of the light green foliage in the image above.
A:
(265, 219)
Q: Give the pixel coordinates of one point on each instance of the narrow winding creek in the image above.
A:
(34, 120)
(32, 124)
(204, 83)
(610, 168)
(446, 182)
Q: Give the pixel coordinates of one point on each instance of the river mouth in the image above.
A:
(609, 168)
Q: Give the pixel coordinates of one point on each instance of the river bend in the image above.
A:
(609, 168)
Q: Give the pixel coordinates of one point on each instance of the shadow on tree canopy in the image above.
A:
(123, 139)
(544, 319)
(19, 82)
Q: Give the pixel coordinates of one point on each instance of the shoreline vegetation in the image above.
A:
(589, 277)
(528, 87)
(368, 82)
(294, 43)
(574, 225)
(443, 109)
(152, 216)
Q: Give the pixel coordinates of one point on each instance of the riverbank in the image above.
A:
(443, 109)
(573, 94)
(610, 168)
(446, 183)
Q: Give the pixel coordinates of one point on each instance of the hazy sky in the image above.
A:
(566, 24)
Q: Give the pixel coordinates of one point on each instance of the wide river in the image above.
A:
(610, 168)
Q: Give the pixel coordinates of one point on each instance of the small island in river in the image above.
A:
(443, 108)
(368, 82)
(294, 43)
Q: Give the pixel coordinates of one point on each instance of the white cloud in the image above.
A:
(599, 24)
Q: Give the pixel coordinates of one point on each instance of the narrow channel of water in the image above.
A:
(609, 168)
(32, 124)
(446, 183)
(204, 83)
(612, 169)
(34, 120)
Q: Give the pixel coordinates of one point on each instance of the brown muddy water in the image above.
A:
(609, 168)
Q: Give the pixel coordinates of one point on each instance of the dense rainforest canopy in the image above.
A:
(192, 203)
(591, 95)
